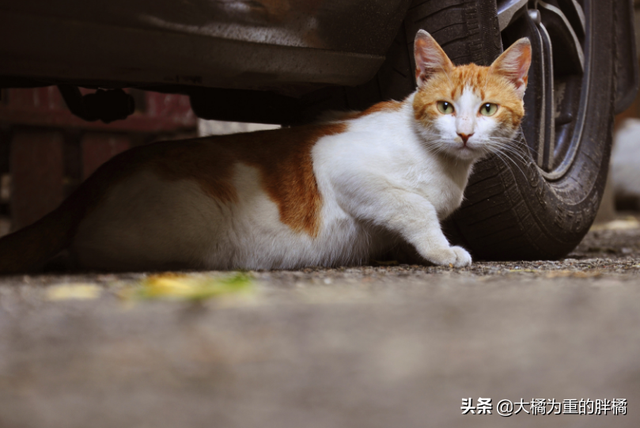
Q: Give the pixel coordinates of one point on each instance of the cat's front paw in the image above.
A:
(455, 256)
(463, 258)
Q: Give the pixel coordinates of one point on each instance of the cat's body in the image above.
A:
(334, 193)
(342, 199)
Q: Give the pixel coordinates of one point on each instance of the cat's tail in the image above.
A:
(30, 248)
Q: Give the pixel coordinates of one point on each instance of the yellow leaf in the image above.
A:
(73, 291)
(189, 287)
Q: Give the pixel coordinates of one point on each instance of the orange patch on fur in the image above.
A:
(283, 158)
(193, 159)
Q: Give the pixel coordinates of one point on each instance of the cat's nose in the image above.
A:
(464, 137)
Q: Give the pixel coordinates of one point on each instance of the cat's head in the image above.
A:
(468, 111)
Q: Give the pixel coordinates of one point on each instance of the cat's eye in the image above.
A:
(488, 109)
(445, 107)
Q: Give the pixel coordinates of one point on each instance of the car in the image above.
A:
(287, 61)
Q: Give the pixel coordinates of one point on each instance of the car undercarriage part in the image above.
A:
(261, 45)
(105, 105)
(231, 105)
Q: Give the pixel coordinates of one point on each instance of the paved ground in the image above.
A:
(378, 346)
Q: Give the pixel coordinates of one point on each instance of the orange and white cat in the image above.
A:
(333, 193)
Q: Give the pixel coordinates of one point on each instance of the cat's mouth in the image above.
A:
(466, 150)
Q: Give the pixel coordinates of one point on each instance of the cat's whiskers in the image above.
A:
(507, 145)
(514, 152)
(500, 154)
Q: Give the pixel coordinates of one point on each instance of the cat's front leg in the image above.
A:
(414, 218)
(429, 240)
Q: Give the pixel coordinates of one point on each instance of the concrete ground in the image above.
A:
(375, 346)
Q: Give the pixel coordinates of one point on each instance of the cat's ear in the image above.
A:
(514, 64)
(429, 56)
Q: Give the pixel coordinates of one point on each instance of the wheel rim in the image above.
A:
(557, 93)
